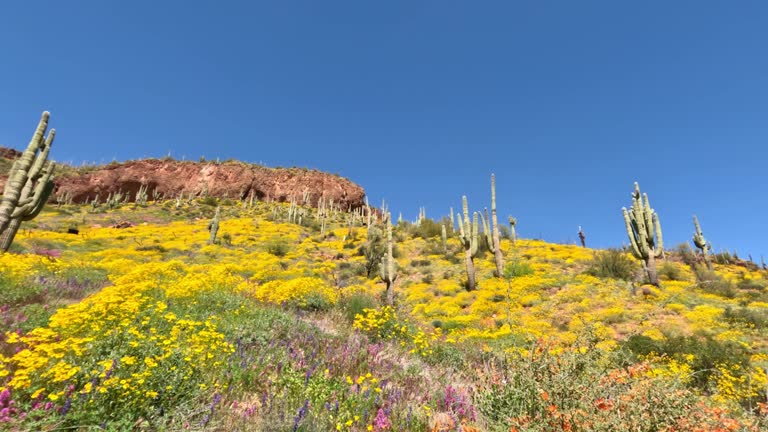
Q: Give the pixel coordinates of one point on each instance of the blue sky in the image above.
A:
(568, 102)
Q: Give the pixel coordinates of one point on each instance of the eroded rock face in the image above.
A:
(234, 180)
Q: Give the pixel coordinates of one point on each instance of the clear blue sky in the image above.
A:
(568, 102)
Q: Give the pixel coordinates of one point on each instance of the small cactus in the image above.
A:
(512, 233)
(141, 195)
(213, 226)
(444, 237)
(701, 242)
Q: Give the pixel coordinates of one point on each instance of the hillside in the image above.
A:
(278, 325)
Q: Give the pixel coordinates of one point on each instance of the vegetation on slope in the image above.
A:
(280, 326)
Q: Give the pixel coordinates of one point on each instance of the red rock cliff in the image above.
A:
(231, 179)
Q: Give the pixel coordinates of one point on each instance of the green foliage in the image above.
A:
(425, 229)
(516, 268)
(686, 254)
(355, 304)
(707, 354)
(210, 201)
(13, 292)
(612, 263)
(547, 392)
(373, 250)
(671, 272)
(712, 283)
(756, 318)
(278, 248)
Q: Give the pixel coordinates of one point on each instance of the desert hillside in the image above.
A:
(275, 319)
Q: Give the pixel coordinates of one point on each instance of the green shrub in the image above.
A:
(278, 248)
(612, 263)
(671, 272)
(517, 268)
(707, 353)
(712, 283)
(686, 254)
(426, 229)
(356, 303)
(542, 391)
(752, 317)
(210, 201)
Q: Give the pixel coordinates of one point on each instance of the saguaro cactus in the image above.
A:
(701, 243)
(582, 238)
(444, 237)
(213, 226)
(29, 184)
(388, 267)
(642, 224)
(494, 239)
(468, 237)
(512, 233)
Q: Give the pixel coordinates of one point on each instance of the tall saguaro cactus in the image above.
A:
(388, 267)
(642, 225)
(701, 242)
(495, 239)
(29, 184)
(468, 237)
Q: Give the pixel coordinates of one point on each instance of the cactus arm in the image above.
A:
(659, 239)
(35, 210)
(473, 246)
(487, 232)
(632, 240)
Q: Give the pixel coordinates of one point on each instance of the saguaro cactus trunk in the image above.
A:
(388, 267)
(468, 236)
(29, 184)
(496, 239)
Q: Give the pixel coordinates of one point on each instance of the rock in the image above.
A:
(235, 180)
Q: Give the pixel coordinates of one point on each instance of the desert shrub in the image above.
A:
(517, 268)
(671, 272)
(751, 284)
(686, 254)
(210, 201)
(356, 303)
(151, 248)
(420, 263)
(19, 292)
(373, 250)
(704, 354)
(612, 263)
(278, 248)
(752, 317)
(426, 229)
(447, 355)
(548, 391)
(712, 283)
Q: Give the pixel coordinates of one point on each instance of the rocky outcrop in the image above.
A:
(229, 179)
